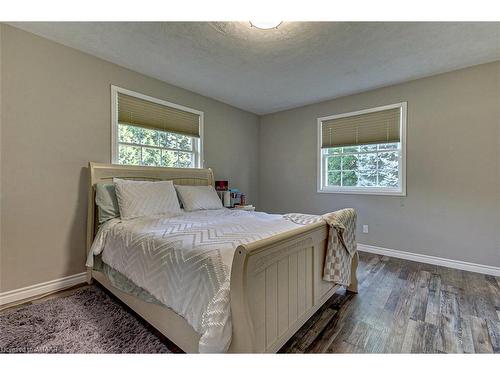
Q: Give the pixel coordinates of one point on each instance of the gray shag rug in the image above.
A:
(88, 321)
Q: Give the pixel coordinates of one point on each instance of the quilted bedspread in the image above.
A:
(185, 261)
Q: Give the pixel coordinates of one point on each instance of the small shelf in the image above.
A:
(243, 208)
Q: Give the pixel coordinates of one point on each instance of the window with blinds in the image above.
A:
(363, 152)
(153, 132)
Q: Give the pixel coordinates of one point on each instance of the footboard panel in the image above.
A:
(286, 288)
(276, 285)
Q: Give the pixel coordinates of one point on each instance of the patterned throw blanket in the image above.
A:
(341, 242)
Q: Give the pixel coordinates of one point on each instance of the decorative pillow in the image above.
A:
(105, 199)
(198, 197)
(144, 198)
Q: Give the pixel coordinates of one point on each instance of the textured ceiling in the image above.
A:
(264, 71)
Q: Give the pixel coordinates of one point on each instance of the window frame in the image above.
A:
(197, 143)
(321, 168)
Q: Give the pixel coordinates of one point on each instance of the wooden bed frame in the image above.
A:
(276, 283)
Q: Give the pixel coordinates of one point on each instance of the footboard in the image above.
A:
(276, 286)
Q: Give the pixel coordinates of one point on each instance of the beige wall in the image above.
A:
(1, 127)
(452, 207)
(55, 119)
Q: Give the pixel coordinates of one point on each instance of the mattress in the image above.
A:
(184, 261)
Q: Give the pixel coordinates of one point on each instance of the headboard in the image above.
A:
(99, 172)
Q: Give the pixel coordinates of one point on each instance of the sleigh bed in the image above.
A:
(276, 283)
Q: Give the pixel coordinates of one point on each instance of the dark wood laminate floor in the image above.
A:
(402, 307)
(406, 307)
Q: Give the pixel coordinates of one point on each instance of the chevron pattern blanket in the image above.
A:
(185, 261)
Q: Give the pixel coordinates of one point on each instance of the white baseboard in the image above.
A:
(42, 288)
(69, 281)
(450, 263)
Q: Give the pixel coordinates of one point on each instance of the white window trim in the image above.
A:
(401, 191)
(197, 146)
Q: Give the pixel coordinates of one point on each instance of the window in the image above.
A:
(152, 132)
(363, 152)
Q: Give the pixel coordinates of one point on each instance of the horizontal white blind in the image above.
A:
(140, 112)
(369, 128)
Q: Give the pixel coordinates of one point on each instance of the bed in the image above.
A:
(275, 282)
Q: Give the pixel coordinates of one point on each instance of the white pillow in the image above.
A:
(144, 198)
(198, 197)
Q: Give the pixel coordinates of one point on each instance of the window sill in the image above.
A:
(152, 166)
(395, 193)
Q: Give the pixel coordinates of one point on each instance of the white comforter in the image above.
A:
(185, 261)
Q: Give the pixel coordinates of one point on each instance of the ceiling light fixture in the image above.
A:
(265, 25)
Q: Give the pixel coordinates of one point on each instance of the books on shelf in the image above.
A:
(246, 207)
